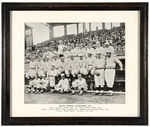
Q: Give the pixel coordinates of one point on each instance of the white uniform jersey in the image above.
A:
(35, 82)
(99, 63)
(63, 84)
(80, 84)
(90, 61)
(62, 65)
(74, 51)
(32, 65)
(91, 51)
(40, 65)
(51, 73)
(111, 62)
(72, 64)
(46, 65)
(81, 63)
(44, 83)
(84, 52)
(60, 49)
(100, 50)
(67, 54)
(55, 63)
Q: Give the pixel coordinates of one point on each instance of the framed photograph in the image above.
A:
(74, 63)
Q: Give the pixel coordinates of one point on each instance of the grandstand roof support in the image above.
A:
(77, 28)
(84, 28)
(111, 25)
(51, 32)
(65, 29)
(103, 26)
(89, 27)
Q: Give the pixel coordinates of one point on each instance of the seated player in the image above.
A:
(34, 85)
(44, 83)
(79, 84)
(63, 84)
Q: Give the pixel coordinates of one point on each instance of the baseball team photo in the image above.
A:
(74, 63)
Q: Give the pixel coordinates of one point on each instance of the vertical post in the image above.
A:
(84, 29)
(122, 25)
(89, 27)
(65, 30)
(103, 26)
(77, 28)
(51, 32)
(111, 25)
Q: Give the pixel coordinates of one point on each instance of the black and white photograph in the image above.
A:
(74, 63)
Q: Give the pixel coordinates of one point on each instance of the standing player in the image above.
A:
(110, 70)
(99, 65)
(60, 49)
(72, 65)
(32, 69)
(40, 67)
(89, 66)
(51, 74)
(81, 64)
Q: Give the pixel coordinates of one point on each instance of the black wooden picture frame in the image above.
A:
(6, 64)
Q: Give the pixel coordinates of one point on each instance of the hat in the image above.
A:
(62, 74)
(79, 74)
(43, 75)
(81, 54)
(52, 64)
(108, 50)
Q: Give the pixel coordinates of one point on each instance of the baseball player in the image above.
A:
(81, 64)
(63, 84)
(79, 84)
(40, 67)
(99, 65)
(89, 66)
(32, 69)
(35, 85)
(72, 65)
(108, 47)
(110, 70)
(51, 74)
(44, 83)
(100, 49)
(60, 48)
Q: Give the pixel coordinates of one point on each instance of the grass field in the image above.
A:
(86, 98)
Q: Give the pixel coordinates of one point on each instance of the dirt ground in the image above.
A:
(86, 98)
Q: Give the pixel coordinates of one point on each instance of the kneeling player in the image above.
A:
(79, 84)
(63, 84)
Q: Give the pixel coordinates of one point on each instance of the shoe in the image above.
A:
(101, 93)
(80, 93)
(109, 94)
(73, 93)
(97, 93)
